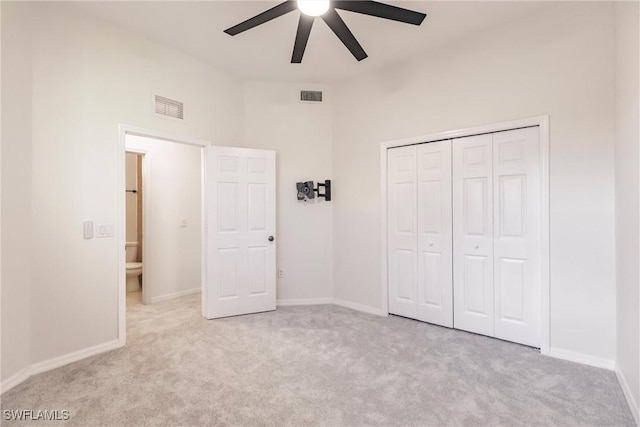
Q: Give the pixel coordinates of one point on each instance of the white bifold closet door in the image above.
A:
(496, 229)
(517, 235)
(473, 233)
(419, 218)
(402, 229)
(435, 281)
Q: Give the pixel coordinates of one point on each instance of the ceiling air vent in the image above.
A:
(310, 96)
(169, 107)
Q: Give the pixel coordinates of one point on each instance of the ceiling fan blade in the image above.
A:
(338, 26)
(302, 37)
(268, 15)
(381, 10)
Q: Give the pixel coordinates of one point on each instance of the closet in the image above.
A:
(464, 228)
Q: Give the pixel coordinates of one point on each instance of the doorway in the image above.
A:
(169, 202)
(134, 190)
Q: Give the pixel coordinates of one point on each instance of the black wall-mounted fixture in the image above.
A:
(327, 190)
(306, 190)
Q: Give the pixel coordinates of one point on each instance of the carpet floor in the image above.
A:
(316, 366)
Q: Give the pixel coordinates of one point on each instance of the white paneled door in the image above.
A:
(402, 229)
(517, 228)
(435, 286)
(240, 246)
(473, 234)
(420, 257)
(464, 233)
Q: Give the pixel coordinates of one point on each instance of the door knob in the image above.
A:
(271, 238)
(430, 243)
(477, 246)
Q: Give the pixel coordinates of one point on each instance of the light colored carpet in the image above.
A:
(317, 365)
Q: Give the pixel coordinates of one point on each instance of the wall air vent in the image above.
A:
(310, 96)
(169, 107)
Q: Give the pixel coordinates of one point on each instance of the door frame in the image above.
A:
(123, 131)
(543, 126)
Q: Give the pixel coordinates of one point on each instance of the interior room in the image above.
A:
(320, 213)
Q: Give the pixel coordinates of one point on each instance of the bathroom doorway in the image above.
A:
(162, 221)
(134, 190)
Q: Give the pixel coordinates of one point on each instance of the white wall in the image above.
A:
(131, 201)
(89, 76)
(557, 62)
(627, 168)
(300, 133)
(172, 192)
(16, 191)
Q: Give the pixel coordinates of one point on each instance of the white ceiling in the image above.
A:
(264, 52)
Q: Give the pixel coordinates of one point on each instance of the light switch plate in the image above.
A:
(105, 230)
(183, 222)
(87, 228)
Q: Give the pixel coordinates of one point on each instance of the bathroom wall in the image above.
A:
(172, 216)
(131, 178)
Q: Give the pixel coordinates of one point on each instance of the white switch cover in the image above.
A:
(183, 222)
(105, 230)
(281, 273)
(87, 228)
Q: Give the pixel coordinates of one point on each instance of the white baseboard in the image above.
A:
(333, 301)
(56, 362)
(305, 301)
(585, 359)
(175, 295)
(633, 405)
(15, 379)
(358, 307)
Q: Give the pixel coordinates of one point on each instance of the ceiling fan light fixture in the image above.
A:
(313, 7)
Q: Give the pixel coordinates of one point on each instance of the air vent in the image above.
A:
(310, 96)
(169, 107)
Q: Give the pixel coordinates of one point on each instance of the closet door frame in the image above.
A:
(542, 122)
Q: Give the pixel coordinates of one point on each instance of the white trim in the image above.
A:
(175, 295)
(203, 230)
(65, 359)
(57, 362)
(123, 131)
(633, 405)
(305, 301)
(543, 123)
(15, 379)
(585, 359)
(359, 307)
(384, 235)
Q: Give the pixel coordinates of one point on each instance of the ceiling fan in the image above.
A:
(327, 10)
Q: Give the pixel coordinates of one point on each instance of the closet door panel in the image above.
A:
(435, 299)
(517, 192)
(473, 234)
(402, 229)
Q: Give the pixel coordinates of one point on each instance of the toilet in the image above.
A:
(134, 269)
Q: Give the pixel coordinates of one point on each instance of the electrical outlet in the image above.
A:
(105, 230)
(183, 222)
(281, 273)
